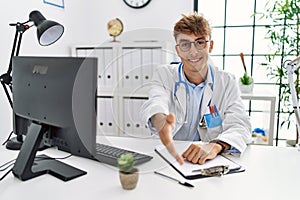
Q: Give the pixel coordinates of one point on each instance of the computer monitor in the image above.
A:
(54, 99)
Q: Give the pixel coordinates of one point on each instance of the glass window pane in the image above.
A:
(218, 38)
(260, 7)
(239, 12)
(218, 61)
(238, 40)
(209, 10)
(233, 64)
(262, 45)
(260, 72)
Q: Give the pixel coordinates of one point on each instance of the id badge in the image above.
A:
(213, 119)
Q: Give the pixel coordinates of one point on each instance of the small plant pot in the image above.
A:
(246, 88)
(129, 180)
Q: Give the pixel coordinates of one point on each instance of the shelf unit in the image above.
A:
(124, 70)
(263, 104)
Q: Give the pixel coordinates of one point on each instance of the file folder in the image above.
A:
(187, 169)
(136, 68)
(109, 67)
(126, 67)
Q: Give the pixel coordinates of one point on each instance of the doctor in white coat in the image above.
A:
(194, 100)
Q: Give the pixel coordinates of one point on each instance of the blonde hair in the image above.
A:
(192, 24)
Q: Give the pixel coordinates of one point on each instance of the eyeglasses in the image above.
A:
(186, 45)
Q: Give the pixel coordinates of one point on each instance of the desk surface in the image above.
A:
(271, 173)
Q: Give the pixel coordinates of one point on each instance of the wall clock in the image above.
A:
(136, 3)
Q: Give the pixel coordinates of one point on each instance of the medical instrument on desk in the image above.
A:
(214, 171)
(292, 67)
(174, 179)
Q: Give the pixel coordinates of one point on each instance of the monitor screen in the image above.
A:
(54, 100)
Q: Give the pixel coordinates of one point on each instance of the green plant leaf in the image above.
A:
(284, 38)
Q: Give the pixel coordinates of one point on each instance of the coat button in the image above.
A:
(179, 119)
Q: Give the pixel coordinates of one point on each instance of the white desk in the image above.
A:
(271, 173)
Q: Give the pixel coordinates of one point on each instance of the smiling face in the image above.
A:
(195, 59)
(192, 34)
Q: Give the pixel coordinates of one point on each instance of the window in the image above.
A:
(236, 30)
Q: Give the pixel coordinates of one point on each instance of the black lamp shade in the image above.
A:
(48, 31)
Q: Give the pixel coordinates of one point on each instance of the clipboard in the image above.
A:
(193, 171)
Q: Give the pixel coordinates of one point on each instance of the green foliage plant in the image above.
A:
(246, 79)
(126, 163)
(284, 37)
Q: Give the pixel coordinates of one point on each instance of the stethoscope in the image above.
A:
(181, 82)
(185, 84)
(202, 123)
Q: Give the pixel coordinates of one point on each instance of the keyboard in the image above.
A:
(109, 154)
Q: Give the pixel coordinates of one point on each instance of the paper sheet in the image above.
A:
(187, 168)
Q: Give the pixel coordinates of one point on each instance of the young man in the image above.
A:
(196, 101)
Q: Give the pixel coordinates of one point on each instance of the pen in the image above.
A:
(216, 109)
(212, 112)
(178, 181)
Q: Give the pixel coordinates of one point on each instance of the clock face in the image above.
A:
(136, 3)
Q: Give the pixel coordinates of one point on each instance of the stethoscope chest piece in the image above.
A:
(202, 123)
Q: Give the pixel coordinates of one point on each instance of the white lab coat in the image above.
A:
(222, 92)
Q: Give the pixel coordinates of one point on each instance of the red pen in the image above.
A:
(211, 110)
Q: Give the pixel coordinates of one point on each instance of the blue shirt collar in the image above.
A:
(209, 78)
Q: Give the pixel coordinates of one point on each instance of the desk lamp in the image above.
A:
(292, 67)
(48, 32)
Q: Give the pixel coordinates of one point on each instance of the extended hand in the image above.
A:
(197, 153)
(165, 133)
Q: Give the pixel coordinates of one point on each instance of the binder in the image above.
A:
(101, 66)
(109, 76)
(186, 170)
(136, 68)
(128, 125)
(126, 75)
(101, 116)
(138, 129)
(110, 116)
(146, 65)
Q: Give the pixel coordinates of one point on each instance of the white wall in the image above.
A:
(85, 23)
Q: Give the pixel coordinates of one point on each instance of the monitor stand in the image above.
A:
(28, 165)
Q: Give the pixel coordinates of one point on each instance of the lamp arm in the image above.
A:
(20, 29)
(6, 78)
(43, 26)
(292, 68)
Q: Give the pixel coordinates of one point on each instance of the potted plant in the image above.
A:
(284, 40)
(246, 81)
(127, 172)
